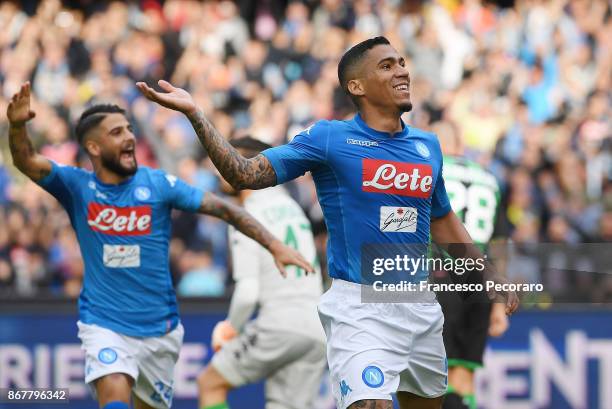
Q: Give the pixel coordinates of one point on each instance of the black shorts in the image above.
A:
(466, 326)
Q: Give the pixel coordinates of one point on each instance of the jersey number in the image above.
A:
(164, 390)
(476, 204)
(291, 240)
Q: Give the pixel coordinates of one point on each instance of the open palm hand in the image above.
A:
(174, 98)
(18, 111)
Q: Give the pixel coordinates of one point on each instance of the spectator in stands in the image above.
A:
(527, 86)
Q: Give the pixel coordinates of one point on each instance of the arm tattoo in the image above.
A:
(21, 146)
(237, 217)
(23, 153)
(372, 404)
(240, 172)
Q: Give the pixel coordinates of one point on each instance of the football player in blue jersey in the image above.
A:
(128, 318)
(379, 182)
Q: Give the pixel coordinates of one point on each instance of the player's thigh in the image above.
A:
(476, 333)
(426, 372)
(372, 404)
(466, 325)
(295, 385)
(110, 362)
(368, 346)
(113, 387)
(409, 400)
(254, 355)
(453, 308)
(156, 361)
(211, 379)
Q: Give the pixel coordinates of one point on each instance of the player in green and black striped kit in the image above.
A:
(474, 195)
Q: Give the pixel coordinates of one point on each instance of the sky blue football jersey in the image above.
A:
(375, 189)
(124, 233)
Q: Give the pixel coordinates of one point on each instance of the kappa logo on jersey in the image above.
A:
(119, 221)
(399, 178)
(360, 142)
(92, 186)
(171, 179)
(345, 389)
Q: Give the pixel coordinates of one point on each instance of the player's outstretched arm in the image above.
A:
(448, 232)
(25, 158)
(245, 223)
(240, 172)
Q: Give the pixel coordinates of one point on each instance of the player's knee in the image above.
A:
(113, 388)
(372, 403)
(203, 379)
(461, 379)
(210, 380)
(115, 379)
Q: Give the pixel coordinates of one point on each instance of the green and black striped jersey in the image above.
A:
(474, 195)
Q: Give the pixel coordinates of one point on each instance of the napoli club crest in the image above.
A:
(107, 356)
(422, 149)
(142, 193)
(373, 376)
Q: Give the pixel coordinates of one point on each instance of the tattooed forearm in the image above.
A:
(24, 156)
(237, 217)
(240, 172)
(21, 146)
(372, 404)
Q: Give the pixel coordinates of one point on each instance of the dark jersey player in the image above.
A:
(128, 320)
(379, 182)
(474, 195)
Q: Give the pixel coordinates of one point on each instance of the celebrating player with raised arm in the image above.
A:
(379, 182)
(128, 318)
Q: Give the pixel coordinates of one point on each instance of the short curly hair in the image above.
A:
(92, 117)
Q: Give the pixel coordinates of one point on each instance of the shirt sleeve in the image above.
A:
(440, 205)
(246, 254)
(59, 181)
(305, 152)
(181, 195)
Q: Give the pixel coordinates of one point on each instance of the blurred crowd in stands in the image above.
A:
(525, 83)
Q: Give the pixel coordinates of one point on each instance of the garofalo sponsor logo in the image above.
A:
(398, 219)
(361, 142)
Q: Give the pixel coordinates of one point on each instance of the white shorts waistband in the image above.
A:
(367, 293)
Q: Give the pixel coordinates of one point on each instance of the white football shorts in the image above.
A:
(148, 361)
(376, 349)
(291, 364)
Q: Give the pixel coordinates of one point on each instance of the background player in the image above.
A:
(129, 323)
(364, 169)
(285, 344)
(474, 196)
